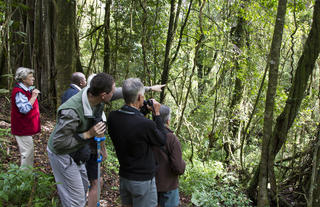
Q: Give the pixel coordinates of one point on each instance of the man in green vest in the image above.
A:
(67, 145)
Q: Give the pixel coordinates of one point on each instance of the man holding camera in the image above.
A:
(133, 136)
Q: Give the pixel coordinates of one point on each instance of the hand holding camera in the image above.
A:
(150, 105)
(155, 107)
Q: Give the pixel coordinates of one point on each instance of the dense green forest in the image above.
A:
(242, 79)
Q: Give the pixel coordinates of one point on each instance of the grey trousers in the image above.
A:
(138, 193)
(72, 181)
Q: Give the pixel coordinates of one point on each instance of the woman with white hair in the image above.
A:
(25, 115)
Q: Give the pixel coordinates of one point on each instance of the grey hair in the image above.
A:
(131, 88)
(22, 73)
(165, 113)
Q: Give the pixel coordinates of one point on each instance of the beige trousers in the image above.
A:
(26, 150)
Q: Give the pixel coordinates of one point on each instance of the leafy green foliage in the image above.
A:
(3, 133)
(210, 185)
(2, 9)
(112, 163)
(18, 186)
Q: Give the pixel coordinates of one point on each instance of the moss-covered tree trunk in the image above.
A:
(238, 40)
(273, 63)
(65, 61)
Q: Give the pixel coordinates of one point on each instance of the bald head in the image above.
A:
(79, 79)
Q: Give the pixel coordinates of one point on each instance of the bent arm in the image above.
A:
(66, 137)
(23, 103)
(118, 92)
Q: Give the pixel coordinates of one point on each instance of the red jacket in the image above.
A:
(24, 124)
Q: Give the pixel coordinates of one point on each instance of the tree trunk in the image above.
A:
(146, 76)
(273, 62)
(34, 28)
(93, 54)
(238, 38)
(47, 87)
(170, 36)
(79, 67)
(3, 79)
(8, 42)
(106, 58)
(113, 70)
(65, 61)
(315, 197)
(31, 27)
(304, 70)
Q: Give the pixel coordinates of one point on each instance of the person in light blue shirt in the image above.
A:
(22, 101)
(25, 115)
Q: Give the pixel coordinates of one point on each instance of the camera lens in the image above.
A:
(149, 102)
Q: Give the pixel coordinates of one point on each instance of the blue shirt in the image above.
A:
(22, 101)
(71, 91)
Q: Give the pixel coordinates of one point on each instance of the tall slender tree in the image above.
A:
(273, 63)
(170, 36)
(106, 58)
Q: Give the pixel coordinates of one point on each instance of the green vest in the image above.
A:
(75, 103)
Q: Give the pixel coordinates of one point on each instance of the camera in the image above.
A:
(144, 109)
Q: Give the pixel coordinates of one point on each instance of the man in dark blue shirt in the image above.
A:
(78, 82)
